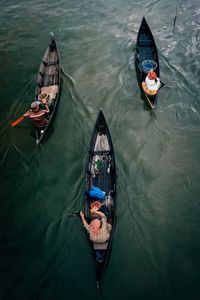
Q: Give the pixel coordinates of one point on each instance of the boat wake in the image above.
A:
(70, 79)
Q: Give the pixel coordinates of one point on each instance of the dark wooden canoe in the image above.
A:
(101, 151)
(146, 51)
(48, 82)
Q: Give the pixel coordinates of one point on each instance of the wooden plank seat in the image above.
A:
(145, 43)
(101, 152)
(49, 63)
(100, 246)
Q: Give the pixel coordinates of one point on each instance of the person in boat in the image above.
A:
(99, 229)
(151, 84)
(38, 113)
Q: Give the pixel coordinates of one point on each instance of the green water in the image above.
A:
(44, 251)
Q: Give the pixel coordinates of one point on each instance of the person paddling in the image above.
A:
(98, 229)
(152, 83)
(38, 114)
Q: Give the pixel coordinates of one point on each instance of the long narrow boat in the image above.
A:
(48, 84)
(101, 173)
(146, 58)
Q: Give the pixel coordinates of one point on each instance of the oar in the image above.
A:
(14, 123)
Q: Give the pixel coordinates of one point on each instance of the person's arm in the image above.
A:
(46, 110)
(26, 114)
(158, 80)
(96, 212)
(85, 224)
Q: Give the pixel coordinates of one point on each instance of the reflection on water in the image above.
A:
(44, 250)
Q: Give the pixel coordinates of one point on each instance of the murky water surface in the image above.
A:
(44, 251)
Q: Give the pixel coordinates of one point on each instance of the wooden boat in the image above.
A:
(146, 58)
(48, 84)
(101, 173)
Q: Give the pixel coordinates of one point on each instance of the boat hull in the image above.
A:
(103, 176)
(48, 82)
(146, 50)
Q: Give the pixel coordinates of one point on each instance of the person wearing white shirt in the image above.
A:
(152, 83)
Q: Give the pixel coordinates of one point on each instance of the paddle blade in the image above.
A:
(14, 123)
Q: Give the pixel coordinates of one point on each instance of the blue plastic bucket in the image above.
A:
(148, 65)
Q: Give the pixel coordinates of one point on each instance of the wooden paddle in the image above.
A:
(14, 123)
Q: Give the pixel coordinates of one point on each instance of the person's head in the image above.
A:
(95, 226)
(95, 205)
(152, 75)
(35, 106)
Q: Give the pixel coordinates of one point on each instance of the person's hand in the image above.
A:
(81, 214)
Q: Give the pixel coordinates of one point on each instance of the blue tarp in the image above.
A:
(96, 192)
